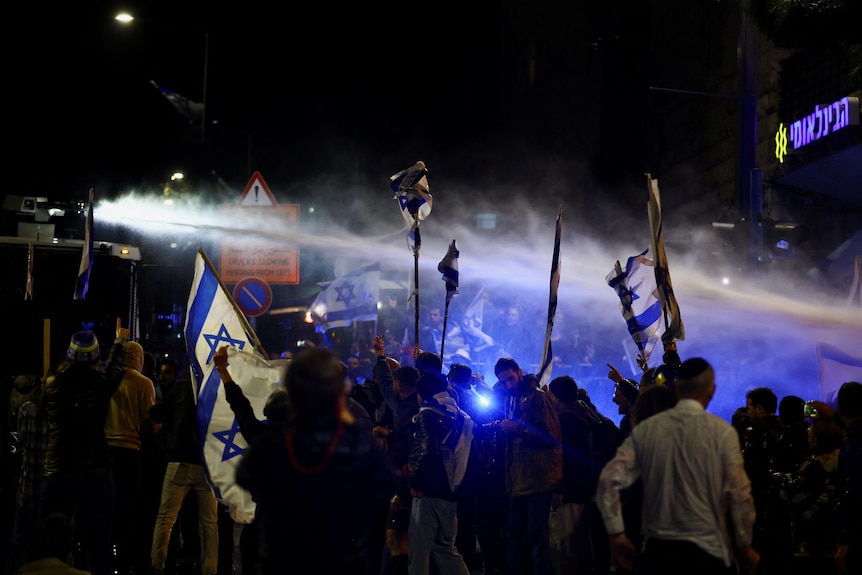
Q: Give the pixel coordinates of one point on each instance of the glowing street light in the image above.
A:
(124, 18)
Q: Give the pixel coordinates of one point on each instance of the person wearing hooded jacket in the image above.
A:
(128, 411)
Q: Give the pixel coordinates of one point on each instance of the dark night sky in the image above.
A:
(293, 87)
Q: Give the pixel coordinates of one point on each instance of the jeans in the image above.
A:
(431, 536)
(180, 478)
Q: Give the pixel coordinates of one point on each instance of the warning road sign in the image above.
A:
(257, 193)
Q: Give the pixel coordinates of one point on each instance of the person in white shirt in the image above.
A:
(693, 480)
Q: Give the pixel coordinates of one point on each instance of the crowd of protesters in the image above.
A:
(350, 467)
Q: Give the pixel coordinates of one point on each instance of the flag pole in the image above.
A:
(246, 326)
(545, 365)
(445, 321)
(416, 245)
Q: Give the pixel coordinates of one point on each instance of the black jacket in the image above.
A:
(425, 469)
(404, 410)
(180, 428)
(76, 406)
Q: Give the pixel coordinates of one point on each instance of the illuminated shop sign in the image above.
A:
(819, 124)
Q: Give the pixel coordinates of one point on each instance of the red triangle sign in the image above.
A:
(257, 193)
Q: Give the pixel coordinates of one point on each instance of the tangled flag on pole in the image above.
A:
(213, 320)
(448, 266)
(546, 368)
(674, 329)
(86, 266)
(412, 192)
(639, 302)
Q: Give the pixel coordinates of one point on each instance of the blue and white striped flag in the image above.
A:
(673, 326)
(639, 303)
(213, 321)
(86, 266)
(349, 298)
(412, 192)
(546, 365)
(448, 266)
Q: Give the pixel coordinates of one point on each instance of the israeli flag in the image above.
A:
(212, 321)
(352, 297)
(83, 283)
(412, 192)
(639, 302)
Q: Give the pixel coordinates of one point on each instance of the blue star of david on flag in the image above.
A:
(639, 303)
(222, 336)
(227, 437)
(345, 293)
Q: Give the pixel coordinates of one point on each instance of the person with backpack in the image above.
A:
(433, 513)
(469, 535)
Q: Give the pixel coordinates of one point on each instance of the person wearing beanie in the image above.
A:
(128, 412)
(77, 479)
(700, 470)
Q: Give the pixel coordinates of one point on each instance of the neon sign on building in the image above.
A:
(823, 121)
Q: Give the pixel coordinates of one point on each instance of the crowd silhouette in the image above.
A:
(349, 467)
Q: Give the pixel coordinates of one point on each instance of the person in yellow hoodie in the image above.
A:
(128, 411)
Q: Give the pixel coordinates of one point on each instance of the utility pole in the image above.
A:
(749, 179)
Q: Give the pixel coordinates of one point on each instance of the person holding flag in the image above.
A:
(319, 478)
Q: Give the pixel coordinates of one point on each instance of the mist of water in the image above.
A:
(755, 332)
